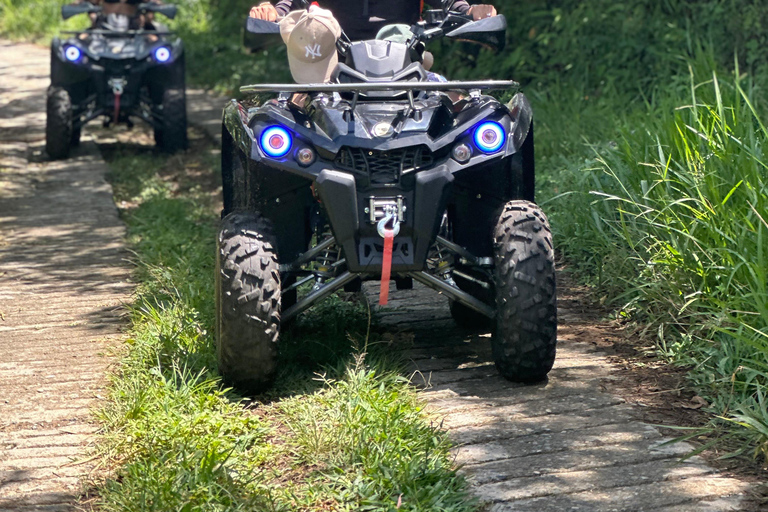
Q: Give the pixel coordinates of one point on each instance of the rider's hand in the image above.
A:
(264, 11)
(481, 11)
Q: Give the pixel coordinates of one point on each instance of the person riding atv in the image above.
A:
(124, 67)
(117, 12)
(363, 19)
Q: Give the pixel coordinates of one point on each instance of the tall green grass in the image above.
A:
(672, 218)
(36, 20)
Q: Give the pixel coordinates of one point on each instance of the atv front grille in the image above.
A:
(383, 166)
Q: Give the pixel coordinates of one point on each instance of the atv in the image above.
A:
(383, 174)
(116, 71)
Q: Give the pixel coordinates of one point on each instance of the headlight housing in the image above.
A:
(73, 54)
(275, 141)
(489, 137)
(162, 54)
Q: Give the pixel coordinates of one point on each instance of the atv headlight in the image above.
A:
(73, 54)
(275, 141)
(490, 137)
(162, 54)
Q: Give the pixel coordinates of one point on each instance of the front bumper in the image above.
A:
(346, 207)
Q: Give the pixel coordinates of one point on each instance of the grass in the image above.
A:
(671, 218)
(341, 430)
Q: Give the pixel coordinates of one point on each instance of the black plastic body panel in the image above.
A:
(472, 193)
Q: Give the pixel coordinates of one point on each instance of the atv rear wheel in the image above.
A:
(171, 130)
(247, 302)
(58, 123)
(524, 342)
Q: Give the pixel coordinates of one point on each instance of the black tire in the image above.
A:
(58, 123)
(171, 134)
(247, 302)
(525, 338)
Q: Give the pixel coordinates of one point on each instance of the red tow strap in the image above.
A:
(386, 266)
(117, 107)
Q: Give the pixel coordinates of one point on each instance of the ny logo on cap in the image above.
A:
(313, 51)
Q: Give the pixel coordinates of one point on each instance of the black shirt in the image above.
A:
(362, 19)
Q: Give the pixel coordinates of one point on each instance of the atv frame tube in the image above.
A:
(472, 85)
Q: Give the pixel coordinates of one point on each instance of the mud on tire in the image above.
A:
(247, 302)
(526, 326)
(58, 123)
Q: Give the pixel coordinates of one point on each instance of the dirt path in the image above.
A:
(62, 282)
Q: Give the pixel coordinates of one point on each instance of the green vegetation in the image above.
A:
(36, 19)
(342, 429)
(671, 219)
(650, 135)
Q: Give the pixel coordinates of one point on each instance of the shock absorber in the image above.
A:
(326, 263)
(440, 262)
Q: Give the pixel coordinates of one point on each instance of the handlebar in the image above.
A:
(167, 10)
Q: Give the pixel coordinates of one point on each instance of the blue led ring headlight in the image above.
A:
(490, 137)
(72, 53)
(162, 54)
(275, 141)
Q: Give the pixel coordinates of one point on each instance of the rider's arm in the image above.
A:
(461, 6)
(477, 11)
(269, 12)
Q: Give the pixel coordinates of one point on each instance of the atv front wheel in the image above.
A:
(58, 123)
(247, 302)
(526, 320)
(171, 130)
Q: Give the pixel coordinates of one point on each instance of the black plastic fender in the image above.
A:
(338, 192)
(234, 121)
(522, 116)
(433, 188)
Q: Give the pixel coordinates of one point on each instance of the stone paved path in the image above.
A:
(563, 445)
(62, 282)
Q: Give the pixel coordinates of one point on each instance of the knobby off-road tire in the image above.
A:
(171, 132)
(247, 302)
(58, 123)
(526, 322)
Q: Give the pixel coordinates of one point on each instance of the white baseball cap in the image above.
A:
(310, 37)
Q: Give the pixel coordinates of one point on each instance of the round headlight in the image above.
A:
(490, 137)
(275, 141)
(73, 53)
(162, 54)
(462, 153)
(305, 156)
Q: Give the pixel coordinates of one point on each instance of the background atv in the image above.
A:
(119, 73)
(384, 175)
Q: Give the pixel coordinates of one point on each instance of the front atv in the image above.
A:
(119, 74)
(395, 178)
